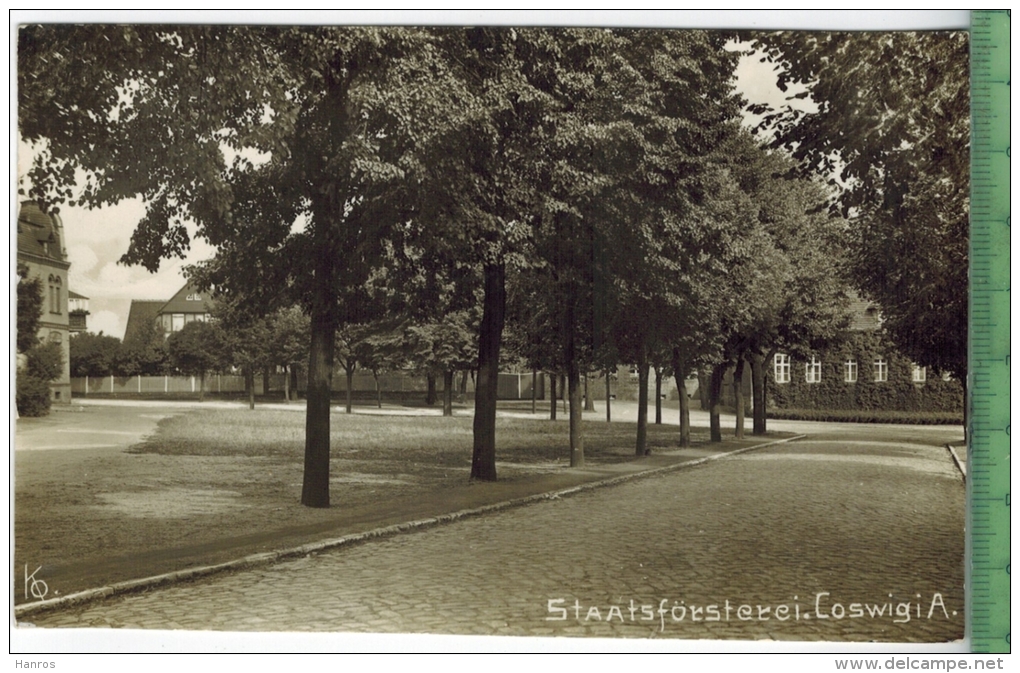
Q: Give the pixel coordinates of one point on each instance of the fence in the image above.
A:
(167, 385)
(509, 386)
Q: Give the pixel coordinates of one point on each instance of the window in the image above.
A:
(54, 285)
(56, 337)
(194, 297)
(850, 371)
(813, 370)
(920, 374)
(881, 371)
(781, 367)
(176, 322)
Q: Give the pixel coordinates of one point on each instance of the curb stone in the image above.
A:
(959, 463)
(268, 558)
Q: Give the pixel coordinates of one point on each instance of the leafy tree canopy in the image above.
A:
(30, 309)
(892, 131)
(94, 354)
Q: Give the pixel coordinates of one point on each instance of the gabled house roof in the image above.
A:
(187, 300)
(143, 312)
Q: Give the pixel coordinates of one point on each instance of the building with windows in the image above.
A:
(42, 252)
(77, 312)
(187, 305)
(863, 371)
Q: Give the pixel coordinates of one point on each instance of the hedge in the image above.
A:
(859, 416)
(32, 395)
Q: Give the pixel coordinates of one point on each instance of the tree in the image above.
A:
(33, 396)
(43, 360)
(791, 269)
(632, 132)
(660, 235)
(288, 345)
(244, 339)
(286, 146)
(892, 130)
(94, 354)
(30, 309)
(144, 352)
(197, 349)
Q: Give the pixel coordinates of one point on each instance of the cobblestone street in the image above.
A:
(821, 539)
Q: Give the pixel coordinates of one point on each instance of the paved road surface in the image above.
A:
(867, 531)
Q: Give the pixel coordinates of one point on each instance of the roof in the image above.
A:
(71, 294)
(39, 234)
(180, 302)
(864, 315)
(142, 312)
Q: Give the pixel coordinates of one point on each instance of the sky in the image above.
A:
(96, 239)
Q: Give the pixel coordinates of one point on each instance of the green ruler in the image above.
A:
(988, 455)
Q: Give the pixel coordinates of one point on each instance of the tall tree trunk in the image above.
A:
(553, 401)
(589, 403)
(294, 382)
(349, 370)
(574, 393)
(642, 410)
(448, 392)
(430, 390)
(462, 394)
(201, 387)
(250, 384)
(758, 393)
(534, 390)
(315, 489)
(378, 389)
(573, 377)
(609, 396)
(685, 401)
(286, 384)
(658, 395)
(563, 391)
(738, 397)
(715, 401)
(483, 458)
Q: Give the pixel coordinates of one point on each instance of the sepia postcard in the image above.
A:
(638, 331)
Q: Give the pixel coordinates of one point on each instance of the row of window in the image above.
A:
(813, 370)
(175, 322)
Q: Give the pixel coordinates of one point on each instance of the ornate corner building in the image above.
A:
(41, 249)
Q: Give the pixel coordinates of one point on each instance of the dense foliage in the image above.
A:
(416, 192)
(43, 360)
(902, 166)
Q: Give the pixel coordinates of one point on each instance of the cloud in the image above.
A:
(107, 322)
(83, 259)
(116, 281)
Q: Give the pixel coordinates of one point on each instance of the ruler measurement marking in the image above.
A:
(987, 604)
